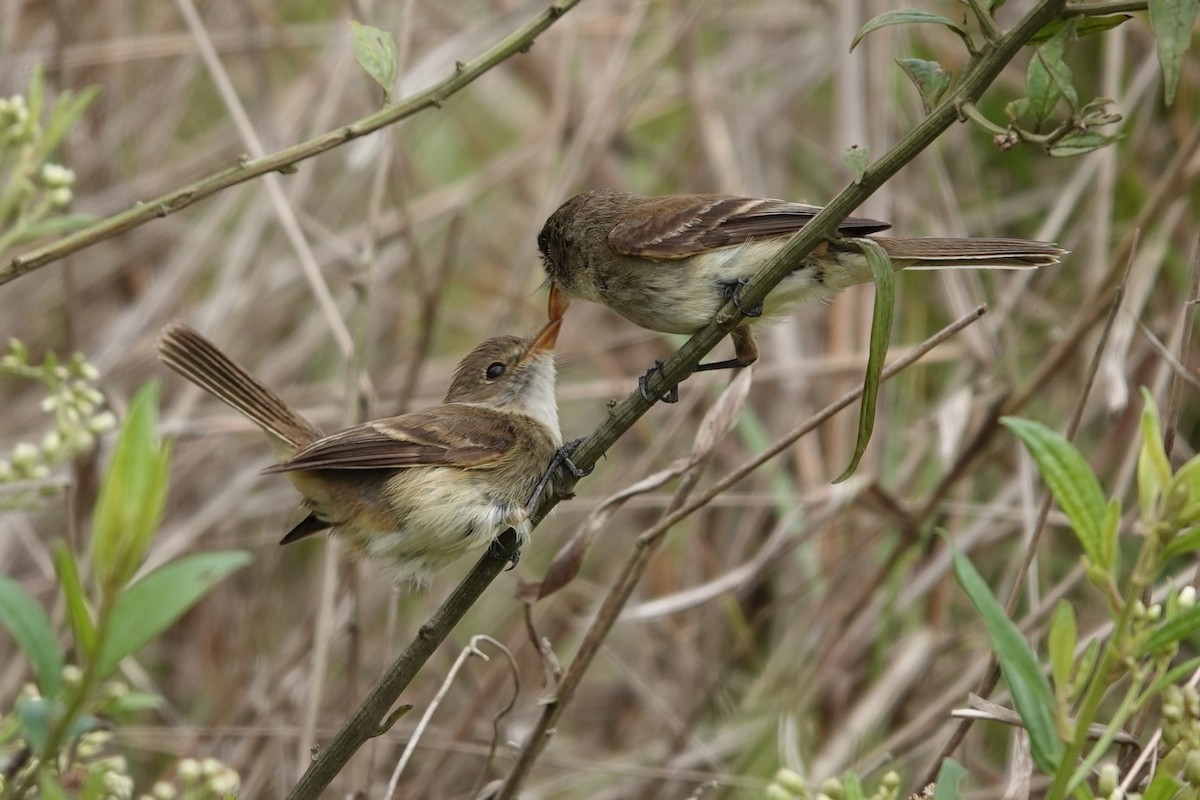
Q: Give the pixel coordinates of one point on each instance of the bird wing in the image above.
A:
(677, 226)
(455, 435)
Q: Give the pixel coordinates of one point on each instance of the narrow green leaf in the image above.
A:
(1175, 628)
(1110, 534)
(53, 226)
(1083, 27)
(27, 623)
(68, 108)
(376, 52)
(906, 17)
(78, 614)
(1064, 636)
(149, 606)
(132, 495)
(881, 336)
(852, 788)
(1079, 142)
(33, 716)
(1182, 544)
(1031, 692)
(1153, 469)
(929, 77)
(856, 159)
(949, 776)
(1071, 481)
(1171, 21)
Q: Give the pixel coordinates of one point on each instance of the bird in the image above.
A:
(668, 263)
(414, 491)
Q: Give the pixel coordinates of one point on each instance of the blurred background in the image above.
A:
(792, 622)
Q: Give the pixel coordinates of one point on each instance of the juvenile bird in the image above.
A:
(418, 490)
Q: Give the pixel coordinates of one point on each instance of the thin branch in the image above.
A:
(465, 73)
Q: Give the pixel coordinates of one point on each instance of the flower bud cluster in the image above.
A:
(790, 785)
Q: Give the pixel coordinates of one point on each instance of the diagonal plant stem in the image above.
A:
(465, 73)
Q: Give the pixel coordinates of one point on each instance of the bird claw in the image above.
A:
(495, 550)
(561, 457)
(669, 396)
(733, 291)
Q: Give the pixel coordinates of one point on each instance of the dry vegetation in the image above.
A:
(845, 643)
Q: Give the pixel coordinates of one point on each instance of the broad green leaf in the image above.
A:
(1071, 481)
(949, 776)
(1064, 637)
(78, 614)
(27, 623)
(1048, 79)
(376, 52)
(149, 606)
(1171, 21)
(1083, 27)
(132, 495)
(33, 715)
(1153, 469)
(1176, 627)
(905, 17)
(929, 78)
(856, 159)
(1031, 692)
(1077, 143)
(1162, 787)
(881, 336)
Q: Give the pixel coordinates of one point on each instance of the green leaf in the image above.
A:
(376, 52)
(1084, 26)
(78, 614)
(52, 226)
(1175, 628)
(856, 159)
(929, 77)
(1064, 636)
(1048, 79)
(881, 336)
(1071, 481)
(1031, 693)
(1171, 21)
(852, 788)
(66, 112)
(149, 606)
(1182, 544)
(906, 17)
(1110, 530)
(1153, 469)
(33, 716)
(1077, 143)
(27, 623)
(132, 494)
(949, 776)
(1162, 787)
(49, 786)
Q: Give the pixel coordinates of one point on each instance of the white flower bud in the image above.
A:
(24, 454)
(189, 770)
(61, 197)
(210, 767)
(1187, 597)
(163, 791)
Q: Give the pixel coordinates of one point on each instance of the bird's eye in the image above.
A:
(495, 371)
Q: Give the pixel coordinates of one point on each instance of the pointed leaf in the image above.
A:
(1031, 692)
(1071, 481)
(1048, 79)
(1064, 636)
(1176, 627)
(78, 614)
(1163, 787)
(905, 17)
(881, 337)
(150, 605)
(1083, 27)
(1153, 469)
(1079, 142)
(376, 52)
(856, 159)
(1171, 21)
(949, 776)
(27, 623)
(929, 77)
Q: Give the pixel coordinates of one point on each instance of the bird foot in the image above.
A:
(733, 292)
(669, 396)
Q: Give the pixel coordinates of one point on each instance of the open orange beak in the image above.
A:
(558, 303)
(546, 337)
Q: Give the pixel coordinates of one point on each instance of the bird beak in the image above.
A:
(546, 337)
(558, 303)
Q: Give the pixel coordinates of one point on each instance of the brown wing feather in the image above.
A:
(678, 226)
(450, 435)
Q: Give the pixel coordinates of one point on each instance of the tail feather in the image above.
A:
(935, 253)
(186, 351)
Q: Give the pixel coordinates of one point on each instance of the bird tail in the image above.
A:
(935, 253)
(186, 351)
